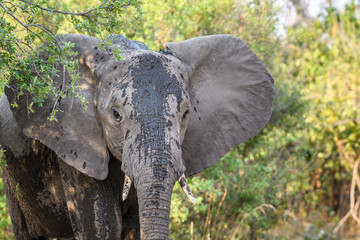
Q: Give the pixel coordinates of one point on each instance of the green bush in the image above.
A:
(5, 221)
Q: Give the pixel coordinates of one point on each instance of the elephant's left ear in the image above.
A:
(76, 136)
(231, 95)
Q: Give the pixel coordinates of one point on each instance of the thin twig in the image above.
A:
(109, 6)
(28, 25)
(353, 182)
(353, 207)
(218, 209)
(208, 216)
(16, 19)
(21, 49)
(25, 44)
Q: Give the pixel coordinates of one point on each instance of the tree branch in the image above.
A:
(74, 14)
(353, 206)
(15, 18)
(27, 26)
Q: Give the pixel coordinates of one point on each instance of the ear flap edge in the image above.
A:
(231, 95)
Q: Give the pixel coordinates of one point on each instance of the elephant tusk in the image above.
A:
(185, 187)
(126, 188)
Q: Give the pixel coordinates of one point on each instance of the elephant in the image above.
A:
(153, 118)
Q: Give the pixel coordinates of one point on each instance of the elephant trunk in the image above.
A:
(154, 199)
(153, 161)
(155, 169)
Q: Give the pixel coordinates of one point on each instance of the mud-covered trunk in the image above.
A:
(154, 177)
(151, 153)
(154, 198)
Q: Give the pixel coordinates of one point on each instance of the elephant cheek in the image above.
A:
(114, 141)
(128, 157)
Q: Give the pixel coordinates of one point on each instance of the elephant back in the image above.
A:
(124, 43)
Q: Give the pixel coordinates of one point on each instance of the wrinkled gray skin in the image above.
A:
(152, 116)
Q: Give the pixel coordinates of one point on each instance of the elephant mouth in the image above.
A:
(182, 181)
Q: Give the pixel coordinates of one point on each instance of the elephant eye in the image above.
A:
(116, 115)
(186, 113)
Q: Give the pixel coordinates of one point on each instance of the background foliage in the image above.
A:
(299, 177)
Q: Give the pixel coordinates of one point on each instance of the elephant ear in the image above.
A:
(76, 137)
(231, 96)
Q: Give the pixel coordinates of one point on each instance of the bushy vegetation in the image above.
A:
(299, 170)
(322, 59)
(25, 25)
(299, 177)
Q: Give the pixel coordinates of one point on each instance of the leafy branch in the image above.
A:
(25, 25)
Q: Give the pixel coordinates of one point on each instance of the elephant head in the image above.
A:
(165, 115)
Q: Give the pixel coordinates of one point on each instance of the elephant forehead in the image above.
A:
(152, 79)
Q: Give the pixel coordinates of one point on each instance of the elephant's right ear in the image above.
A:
(76, 137)
(231, 95)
